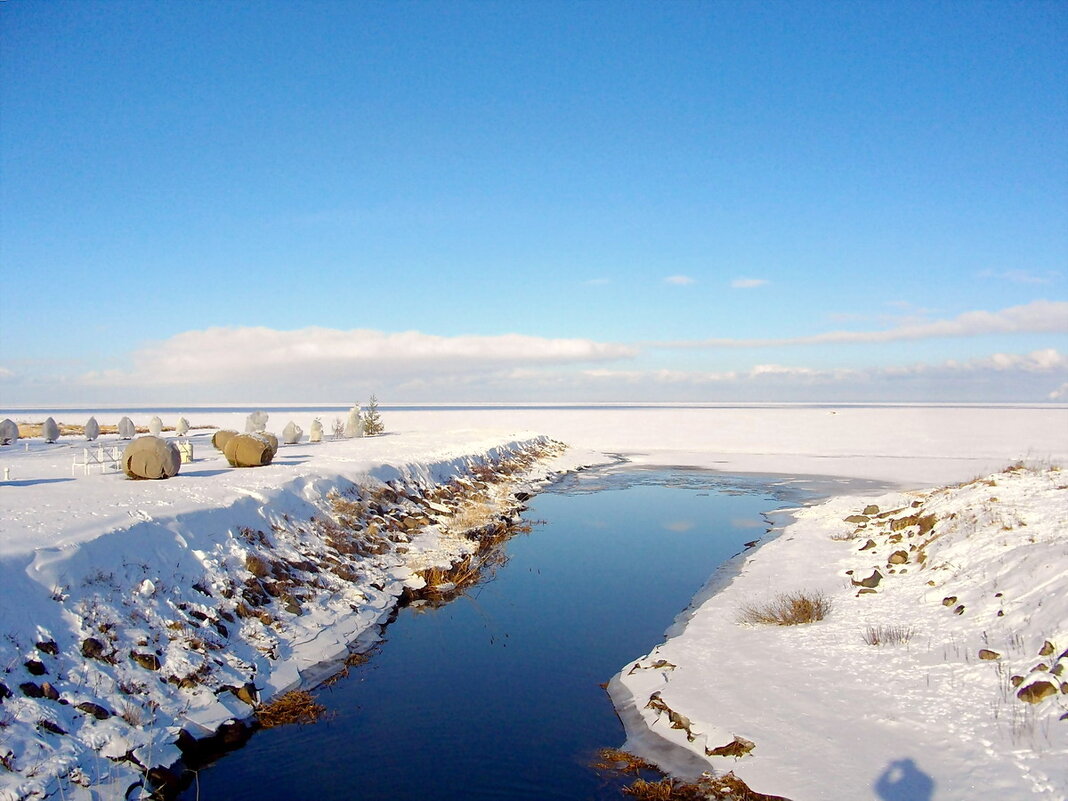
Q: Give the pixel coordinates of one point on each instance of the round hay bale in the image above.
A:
(270, 439)
(220, 438)
(247, 450)
(151, 457)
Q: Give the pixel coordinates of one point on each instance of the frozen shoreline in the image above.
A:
(54, 523)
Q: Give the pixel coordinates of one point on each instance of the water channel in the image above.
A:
(497, 694)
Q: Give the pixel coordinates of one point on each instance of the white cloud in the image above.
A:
(6, 373)
(1041, 316)
(1059, 392)
(1000, 376)
(748, 283)
(1022, 276)
(680, 280)
(266, 357)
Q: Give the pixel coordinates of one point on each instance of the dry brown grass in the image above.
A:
(654, 786)
(788, 609)
(295, 706)
(614, 760)
(31, 430)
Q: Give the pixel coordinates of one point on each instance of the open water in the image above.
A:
(497, 694)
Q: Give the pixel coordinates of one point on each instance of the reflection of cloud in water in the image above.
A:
(747, 522)
(679, 525)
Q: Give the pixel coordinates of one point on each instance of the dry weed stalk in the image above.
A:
(887, 635)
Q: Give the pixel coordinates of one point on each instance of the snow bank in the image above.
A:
(133, 611)
(970, 617)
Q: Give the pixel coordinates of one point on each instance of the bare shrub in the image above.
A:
(788, 609)
(887, 635)
(296, 706)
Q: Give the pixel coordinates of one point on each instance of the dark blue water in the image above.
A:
(497, 694)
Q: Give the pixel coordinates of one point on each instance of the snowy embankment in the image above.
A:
(135, 614)
(195, 587)
(939, 672)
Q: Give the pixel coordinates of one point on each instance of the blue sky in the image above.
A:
(475, 201)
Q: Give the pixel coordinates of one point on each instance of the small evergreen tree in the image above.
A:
(316, 434)
(182, 427)
(92, 429)
(155, 426)
(372, 421)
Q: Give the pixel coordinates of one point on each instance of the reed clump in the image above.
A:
(787, 609)
(295, 706)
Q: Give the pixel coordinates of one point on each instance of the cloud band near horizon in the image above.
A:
(1041, 316)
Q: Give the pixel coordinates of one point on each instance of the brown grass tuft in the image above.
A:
(296, 706)
(788, 609)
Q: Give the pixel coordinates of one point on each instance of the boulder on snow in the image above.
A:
(248, 450)
(870, 582)
(151, 457)
(147, 661)
(898, 558)
(1037, 691)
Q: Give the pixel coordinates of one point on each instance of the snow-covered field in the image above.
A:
(127, 562)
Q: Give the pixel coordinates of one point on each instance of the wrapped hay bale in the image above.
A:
(220, 438)
(127, 430)
(9, 432)
(248, 450)
(270, 439)
(292, 433)
(151, 457)
(256, 422)
(49, 430)
(354, 424)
